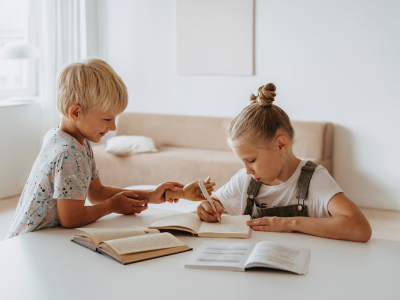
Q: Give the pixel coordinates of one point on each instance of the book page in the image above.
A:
(279, 256)
(220, 256)
(228, 224)
(144, 243)
(99, 235)
(190, 221)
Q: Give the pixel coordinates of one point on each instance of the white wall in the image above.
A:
(20, 140)
(336, 60)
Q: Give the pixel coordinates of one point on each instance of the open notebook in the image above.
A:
(229, 227)
(131, 244)
(240, 256)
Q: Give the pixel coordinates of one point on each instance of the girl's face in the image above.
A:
(263, 163)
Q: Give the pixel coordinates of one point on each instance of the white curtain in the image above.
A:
(58, 29)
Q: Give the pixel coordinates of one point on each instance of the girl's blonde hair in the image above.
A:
(259, 122)
(93, 84)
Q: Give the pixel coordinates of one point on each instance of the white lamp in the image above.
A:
(19, 51)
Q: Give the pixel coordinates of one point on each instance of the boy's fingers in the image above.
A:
(142, 208)
(170, 186)
(138, 202)
(130, 194)
(139, 209)
(176, 184)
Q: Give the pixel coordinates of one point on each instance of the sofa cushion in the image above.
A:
(124, 145)
(178, 164)
(312, 139)
(175, 130)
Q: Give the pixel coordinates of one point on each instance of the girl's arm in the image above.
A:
(347, 222)
(98, 193)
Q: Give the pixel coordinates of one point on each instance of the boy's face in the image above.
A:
(94, 125)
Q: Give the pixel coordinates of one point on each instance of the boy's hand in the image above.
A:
(158, 194)
(207, 213)
(273, 224)
(123, 203)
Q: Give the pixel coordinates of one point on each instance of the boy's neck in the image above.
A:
(69, 127)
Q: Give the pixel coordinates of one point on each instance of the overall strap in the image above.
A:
(299, 210)
(253, 188)
(307, 172)
(252, 192)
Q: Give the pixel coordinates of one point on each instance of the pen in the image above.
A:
(205, 193)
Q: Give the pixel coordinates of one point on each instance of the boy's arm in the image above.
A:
(98, 193)
(347, 222)
(74, 213)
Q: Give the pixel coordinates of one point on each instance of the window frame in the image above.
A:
(29, 92)
(33, 72)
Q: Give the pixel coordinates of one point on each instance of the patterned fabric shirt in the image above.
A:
(64, 169)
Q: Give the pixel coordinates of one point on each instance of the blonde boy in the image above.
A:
(90, 95)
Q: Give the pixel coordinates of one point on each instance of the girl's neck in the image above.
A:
(290, 166)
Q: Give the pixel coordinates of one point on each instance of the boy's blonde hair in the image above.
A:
(93, 84)
(259, 122)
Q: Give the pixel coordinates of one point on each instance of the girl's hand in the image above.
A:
(272, 224)
(207, 213)
(158, 194)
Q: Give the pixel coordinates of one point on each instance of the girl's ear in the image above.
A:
(75, 112)
(283, 144)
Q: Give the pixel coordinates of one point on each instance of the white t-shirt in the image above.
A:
(233, 195)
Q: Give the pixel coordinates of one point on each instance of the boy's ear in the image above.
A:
(75, 112)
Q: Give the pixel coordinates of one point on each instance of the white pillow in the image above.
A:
(124, 145)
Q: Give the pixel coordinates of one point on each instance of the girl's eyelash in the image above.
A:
(251, 161)
(107, 119)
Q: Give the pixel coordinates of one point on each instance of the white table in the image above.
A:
(47, 265)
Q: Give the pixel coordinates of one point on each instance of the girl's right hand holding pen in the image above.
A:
(206, 212)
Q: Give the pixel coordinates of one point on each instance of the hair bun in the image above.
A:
(266, 94)
(253, 98)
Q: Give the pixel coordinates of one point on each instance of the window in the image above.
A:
(17, 77)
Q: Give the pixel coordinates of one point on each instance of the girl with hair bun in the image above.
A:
(281, 192)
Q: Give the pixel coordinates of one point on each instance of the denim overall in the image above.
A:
(299, 210)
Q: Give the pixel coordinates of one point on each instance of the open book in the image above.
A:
(229, 227)
(239, 256)
(131, 244)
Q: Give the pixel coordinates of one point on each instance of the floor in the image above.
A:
(385, 224)
(7, 208)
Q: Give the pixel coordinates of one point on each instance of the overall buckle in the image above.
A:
(250, 198)
(300, 206)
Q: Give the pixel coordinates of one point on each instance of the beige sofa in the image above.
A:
(193, 147)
